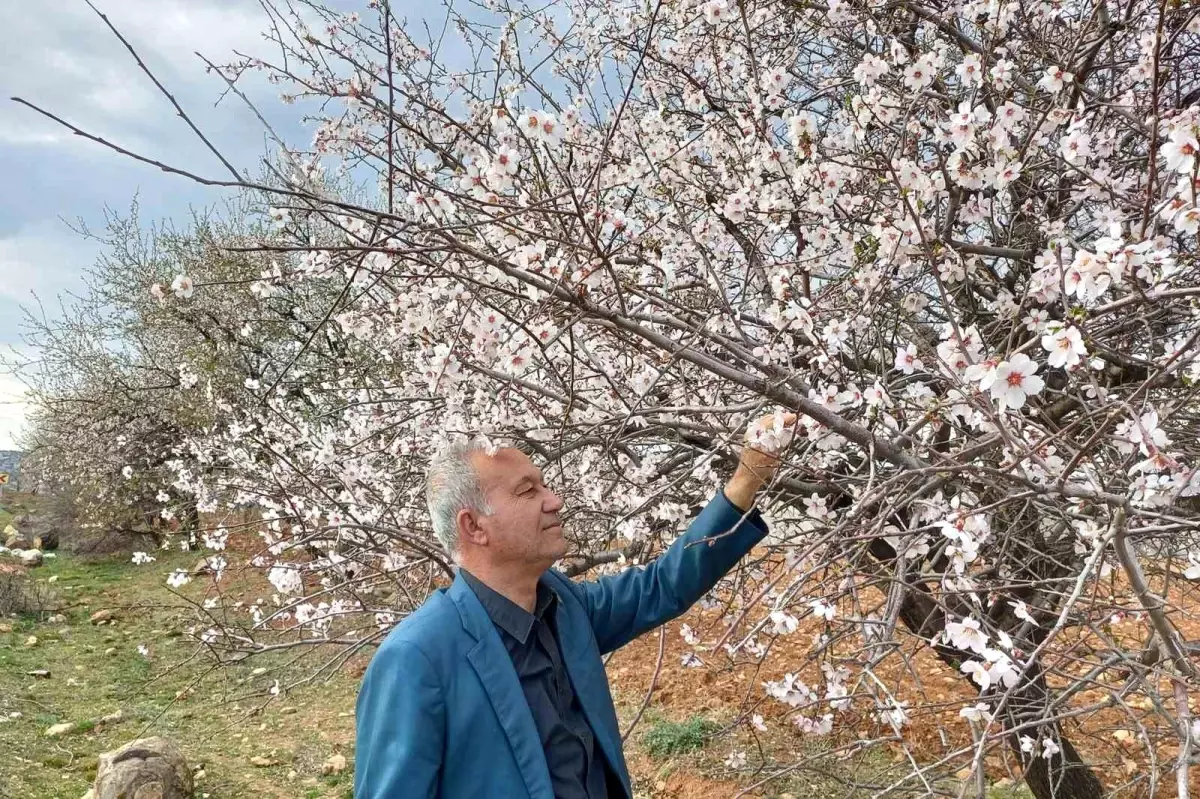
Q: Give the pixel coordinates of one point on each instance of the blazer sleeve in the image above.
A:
(401, 725)
(623, 606)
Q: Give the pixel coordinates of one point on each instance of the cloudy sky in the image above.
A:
(59, 55)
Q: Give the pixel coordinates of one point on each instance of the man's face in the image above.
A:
(524, 526)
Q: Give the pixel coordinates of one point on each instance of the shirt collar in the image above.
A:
(506, 614)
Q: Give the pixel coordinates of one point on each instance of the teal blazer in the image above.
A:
(441, 714)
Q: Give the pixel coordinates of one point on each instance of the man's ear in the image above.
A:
(469, 530)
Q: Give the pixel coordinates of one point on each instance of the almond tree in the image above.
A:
(958, 238)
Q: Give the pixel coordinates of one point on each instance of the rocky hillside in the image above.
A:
(10, 461)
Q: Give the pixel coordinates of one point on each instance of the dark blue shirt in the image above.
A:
(577, 766)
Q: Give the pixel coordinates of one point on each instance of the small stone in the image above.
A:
(101, 615)
(5, 627)
(31, 642)
(57, 618)
(287, 711)
(41, 674)
(262, 762)
(112, 650)
(336, 764)
(59, 729)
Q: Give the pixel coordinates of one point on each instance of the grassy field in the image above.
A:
(97, 670)
(243, 742)
(240, 748)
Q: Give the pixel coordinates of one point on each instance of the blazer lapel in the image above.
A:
(491, 662)
(586, 672)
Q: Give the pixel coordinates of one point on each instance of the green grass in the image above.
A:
(97, 670)
(12, 505)
(667, 738)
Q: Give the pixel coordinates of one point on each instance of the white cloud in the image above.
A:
(69, 63)
(44, 257)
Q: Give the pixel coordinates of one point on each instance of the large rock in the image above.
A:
(29, 558)
(148, 768)
(15, 539)
(38, 526)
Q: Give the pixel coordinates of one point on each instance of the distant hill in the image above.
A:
(10, 461)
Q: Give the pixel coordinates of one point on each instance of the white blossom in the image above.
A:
(183, 287)
(1065, 345)
(966, 635)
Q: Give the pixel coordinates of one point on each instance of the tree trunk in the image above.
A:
(1065, 775)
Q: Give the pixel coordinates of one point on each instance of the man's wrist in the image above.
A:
(742, 488)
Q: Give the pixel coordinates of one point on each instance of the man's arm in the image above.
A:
(401, 724)
(625, 605)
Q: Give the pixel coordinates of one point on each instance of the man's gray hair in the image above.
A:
(452, 484)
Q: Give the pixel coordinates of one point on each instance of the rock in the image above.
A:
(49, 539)
(6, 627)
(29, 558)
(148, 768)
(57, 618)
(41, 674)
(112, 650)
(34, 526)
(31, 642)
(262, 762)
(111, 718)
(101, 615)
(58, 730)
(336, 764)
(14, 538)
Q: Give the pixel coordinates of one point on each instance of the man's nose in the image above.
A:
(554, 503)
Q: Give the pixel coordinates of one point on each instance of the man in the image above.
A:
(494, 688)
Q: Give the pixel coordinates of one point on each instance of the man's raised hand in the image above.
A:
(766, 438)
